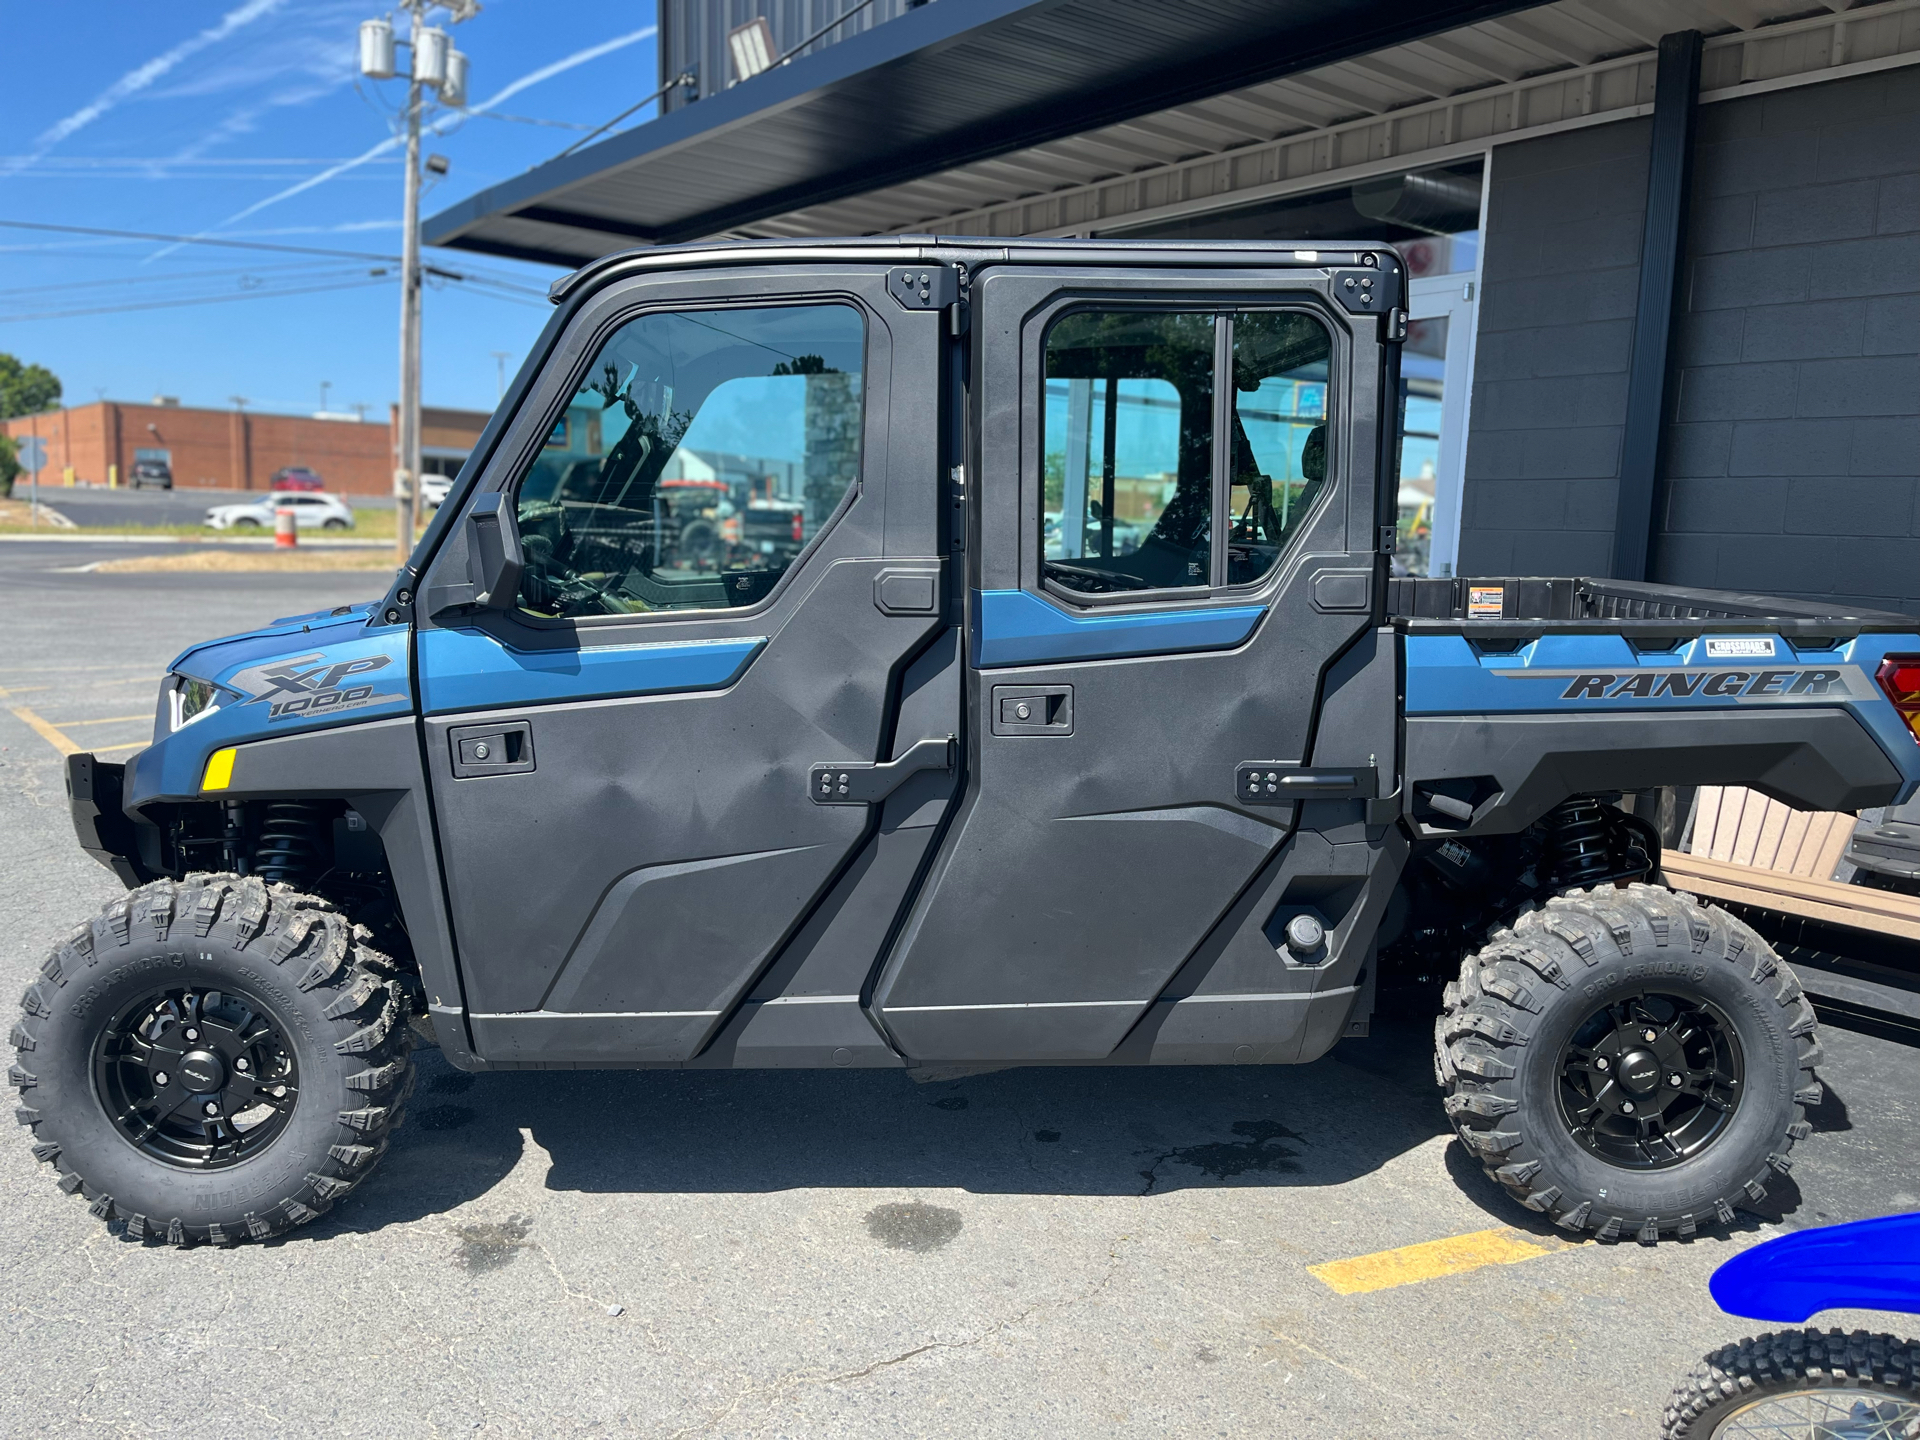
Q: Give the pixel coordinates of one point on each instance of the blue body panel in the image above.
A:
(1596, 673)
(470, 670)
(310, 673)
(1015, 627)
(1868, 1265)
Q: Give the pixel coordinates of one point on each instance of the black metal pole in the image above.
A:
(1676, 95)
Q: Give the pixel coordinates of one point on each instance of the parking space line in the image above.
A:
(46, 731)
(104, 720)
(130, 745)
(1432, 1259)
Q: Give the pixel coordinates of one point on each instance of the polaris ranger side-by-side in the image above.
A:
(1046, 698)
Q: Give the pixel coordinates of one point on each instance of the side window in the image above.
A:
(1280, 362)
(1127, 440)
(701, 454)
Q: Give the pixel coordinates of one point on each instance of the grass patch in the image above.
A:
(250, 560)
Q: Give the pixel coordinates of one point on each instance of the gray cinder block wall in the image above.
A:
(1791, 457)
(1559, 280)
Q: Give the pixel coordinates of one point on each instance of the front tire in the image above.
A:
(1797, 1383)
(217, 1059)
(1628, 1061)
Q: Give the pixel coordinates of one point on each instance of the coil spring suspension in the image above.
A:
(1578, 841)
(291, 845)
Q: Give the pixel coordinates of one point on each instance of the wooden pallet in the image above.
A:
(1755, 851)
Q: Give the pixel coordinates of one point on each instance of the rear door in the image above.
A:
(731, 561)
(1177, 535)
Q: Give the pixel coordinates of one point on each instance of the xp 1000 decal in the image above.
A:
(311, 685)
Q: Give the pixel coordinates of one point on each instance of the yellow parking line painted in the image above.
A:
(1432, 1259)
(109, 749)
(47, 732)
(105, 720)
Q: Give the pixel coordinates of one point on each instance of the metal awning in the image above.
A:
(950, 84)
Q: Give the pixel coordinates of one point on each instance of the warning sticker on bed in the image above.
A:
(1486, 602)
(1746, 647)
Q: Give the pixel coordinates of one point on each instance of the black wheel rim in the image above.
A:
(198, 1077)
(1650, 1080)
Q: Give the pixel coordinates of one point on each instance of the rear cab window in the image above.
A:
(1148, 482)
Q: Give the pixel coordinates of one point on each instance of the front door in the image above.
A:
(1176, 537)
(731, 563)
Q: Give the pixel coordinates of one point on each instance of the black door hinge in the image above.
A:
(862, 782)
(1388, 534)
(925, 287)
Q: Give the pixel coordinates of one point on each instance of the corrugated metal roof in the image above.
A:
(1480, 60)
(1016, 116)
(949, 84)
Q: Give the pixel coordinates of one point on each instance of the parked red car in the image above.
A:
(296, 477)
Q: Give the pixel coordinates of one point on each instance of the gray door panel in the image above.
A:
(617, 902)
(1087, 863)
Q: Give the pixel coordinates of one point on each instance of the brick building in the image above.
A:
(238, 449)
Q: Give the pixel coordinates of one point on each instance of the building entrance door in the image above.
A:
(1436, 380)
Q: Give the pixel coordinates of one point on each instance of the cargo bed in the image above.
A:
(1533, 605)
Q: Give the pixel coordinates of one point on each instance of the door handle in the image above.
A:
(864, 782)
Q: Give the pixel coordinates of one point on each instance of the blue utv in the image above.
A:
(916, 653)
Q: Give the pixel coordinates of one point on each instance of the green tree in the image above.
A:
(9, 465)
(25, 389)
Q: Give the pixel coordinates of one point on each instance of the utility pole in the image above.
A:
(435, 65)
(409, 456)
(500, 364)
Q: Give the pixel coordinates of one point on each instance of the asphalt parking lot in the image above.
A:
(1041, 1252)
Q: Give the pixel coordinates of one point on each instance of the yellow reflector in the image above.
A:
(219, 770)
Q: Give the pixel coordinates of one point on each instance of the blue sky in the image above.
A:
(238, 119)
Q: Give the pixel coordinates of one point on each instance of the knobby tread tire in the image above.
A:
(1517, 992)
(351, 1007)
(1783, 1362)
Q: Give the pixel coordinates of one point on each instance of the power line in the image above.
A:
(197, 240)
(260, 294)
(298, 267)
(684, 78)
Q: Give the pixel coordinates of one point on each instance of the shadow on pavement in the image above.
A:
(1078, 1130)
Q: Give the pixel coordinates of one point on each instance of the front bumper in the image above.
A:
(94, 789)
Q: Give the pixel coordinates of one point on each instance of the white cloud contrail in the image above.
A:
(545, 72)
(139, 78)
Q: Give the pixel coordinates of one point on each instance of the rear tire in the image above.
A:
(215, 997)
(1552, 1087)
(1806, 1376)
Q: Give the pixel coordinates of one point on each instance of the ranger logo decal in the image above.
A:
(1795, 683)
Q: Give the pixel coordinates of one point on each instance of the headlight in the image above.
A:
(190, 699)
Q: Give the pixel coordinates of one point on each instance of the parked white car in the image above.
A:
(310, 512)
(433, 490)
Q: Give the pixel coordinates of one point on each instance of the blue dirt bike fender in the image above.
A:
(1866, 1265)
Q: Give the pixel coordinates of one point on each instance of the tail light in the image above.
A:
(799, 520)
(1899, 676)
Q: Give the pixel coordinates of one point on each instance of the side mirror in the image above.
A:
(490, 577)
